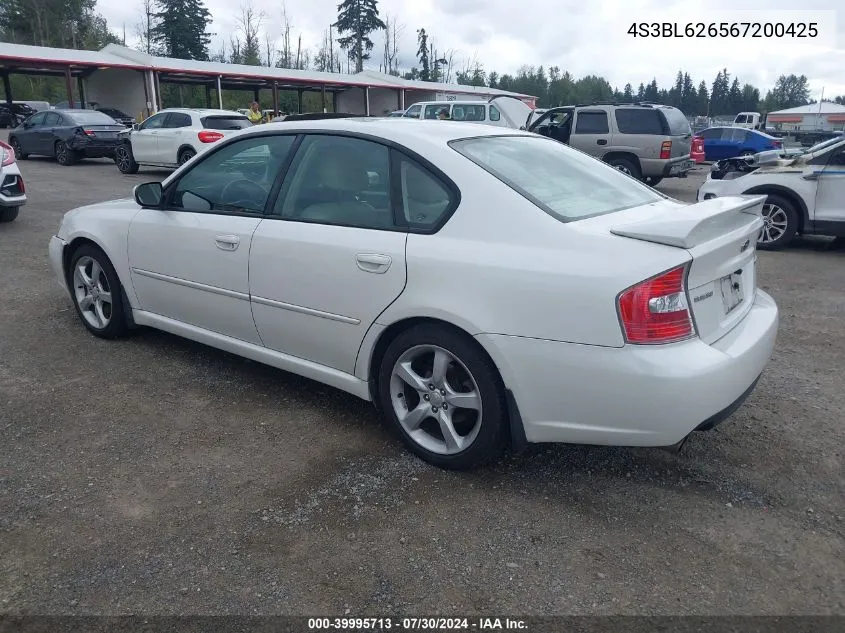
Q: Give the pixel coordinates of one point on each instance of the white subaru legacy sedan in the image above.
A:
(481, 286)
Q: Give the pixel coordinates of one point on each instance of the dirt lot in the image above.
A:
(154, 475)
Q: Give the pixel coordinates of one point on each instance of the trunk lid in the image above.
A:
(721, 236)
(514, 110)
(102, 132)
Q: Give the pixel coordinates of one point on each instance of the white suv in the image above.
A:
(174, 136)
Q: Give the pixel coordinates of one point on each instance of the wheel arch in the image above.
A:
(182, 148)
(371, 357)
(789, 194)
(81, 240)
(623, 154)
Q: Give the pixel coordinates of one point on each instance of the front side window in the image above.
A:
(234, 179)
(52, 119)
(431, 111)
(338, 180)
(591, 123)
(425, 199)
(154, 122)
(37, 119)
(413, 111)
(563, 182)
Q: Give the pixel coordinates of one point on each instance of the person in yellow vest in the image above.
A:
(255, 115)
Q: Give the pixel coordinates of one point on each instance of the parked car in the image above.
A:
(118, 115)
(647, 141)
(697, 149)
(12, 116)
(397, 113)
(77, 105)
(67, 135)
(12, 189)
(804, 195)
(728, 142)
(466, 111)
(487, 285)
(174, 136)
(749, 120)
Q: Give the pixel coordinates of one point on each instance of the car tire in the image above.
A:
(125, 160)
(65, 156)
(747, 152)
(781, 223)
(472, 427)
(626, 166)
(652, 181)
(16, 146)
(91, 278)
(8, 214)
(185, 155)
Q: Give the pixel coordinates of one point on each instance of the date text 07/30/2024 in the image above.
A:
(790, 30)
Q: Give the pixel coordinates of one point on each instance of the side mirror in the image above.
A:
(136, 126)
(148, 194)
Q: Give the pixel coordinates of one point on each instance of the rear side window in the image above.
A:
(425, 199)
(178, 119)
(591, 123)
(638, 121)
(52, 119)
(711, 134)
(225, 122)
(494, 113)
(431, 111)
(468, 112)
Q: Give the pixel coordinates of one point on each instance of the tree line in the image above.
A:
(180, 29)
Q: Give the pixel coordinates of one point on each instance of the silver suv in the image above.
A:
(646, 140)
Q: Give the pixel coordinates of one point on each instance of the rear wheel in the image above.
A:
(96, 292)
(747, 152)
(65, 156)
(16, 146)
(8, 214)
(626, 166)
(125, 160)
(652, 181)
(444, 397)
(185, 155)
(780, 223)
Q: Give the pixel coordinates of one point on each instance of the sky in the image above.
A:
(581, 37)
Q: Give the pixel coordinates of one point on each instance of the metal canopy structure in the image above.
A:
(153, 71)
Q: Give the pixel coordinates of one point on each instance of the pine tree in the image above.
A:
(358, 18)
(628, 93)
(422, 55)
(182, 28)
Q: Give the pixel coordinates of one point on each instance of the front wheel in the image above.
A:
(780, 223)
(444, 396)
(96, 292)
(8, 214)
(125, 160)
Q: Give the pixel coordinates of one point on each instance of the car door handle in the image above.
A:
(227, 242)
(373, 263)
(602, 141)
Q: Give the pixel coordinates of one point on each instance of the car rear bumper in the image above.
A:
(56, 253)
(11, 194)
(634, 395)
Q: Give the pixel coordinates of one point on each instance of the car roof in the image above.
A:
(202, 111)
(396, 129)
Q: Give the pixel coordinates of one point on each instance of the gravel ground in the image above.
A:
(157, 476)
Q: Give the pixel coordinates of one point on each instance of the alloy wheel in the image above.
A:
(61, 153)
(121, 157)
(436, 399)
(16, 147)
(623, 169)
(92, 292)
(775, 221)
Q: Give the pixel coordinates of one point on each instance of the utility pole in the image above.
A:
(147, 7)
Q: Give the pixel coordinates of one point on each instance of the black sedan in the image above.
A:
(118, 115)
(69, 135)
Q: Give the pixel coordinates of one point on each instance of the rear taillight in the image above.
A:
(89, 133)
(657, 310)
(7, 154)
(698, 144)
(778, 144)
(209, 137)
(665, 150)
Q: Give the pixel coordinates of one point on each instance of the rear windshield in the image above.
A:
(565, 183)
(678, 124)
(89, 118)
(225, 122)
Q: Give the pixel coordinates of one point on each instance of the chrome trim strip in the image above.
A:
(310, 311)
(192, 284)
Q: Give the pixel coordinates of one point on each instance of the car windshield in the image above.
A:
(89, 118)
(564, 182)
(678, 123)
(824, 144)
(226, 122)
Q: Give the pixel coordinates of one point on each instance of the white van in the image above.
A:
(467, 111)
(748, 120)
